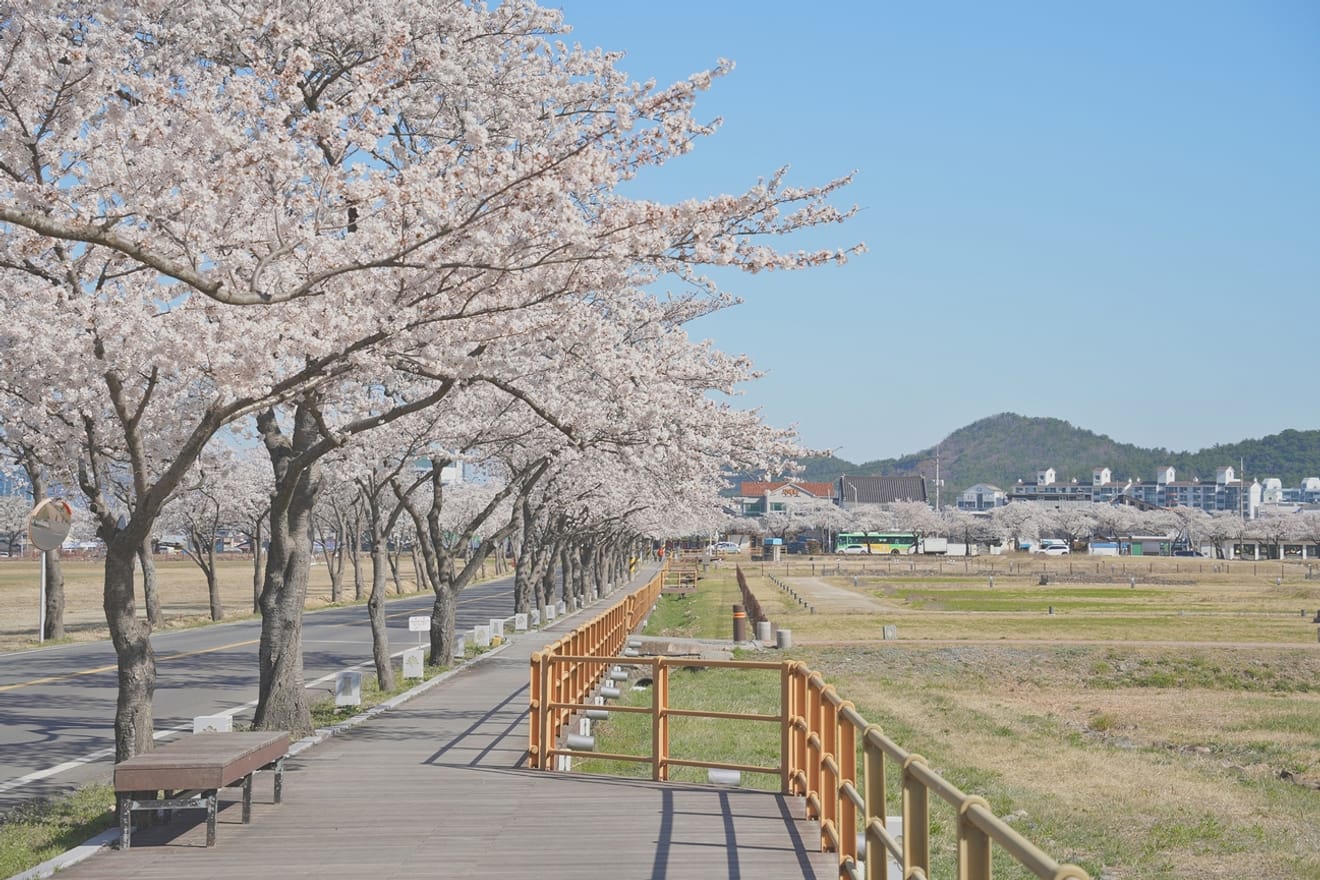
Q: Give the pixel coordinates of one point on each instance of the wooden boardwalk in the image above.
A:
(438, 787)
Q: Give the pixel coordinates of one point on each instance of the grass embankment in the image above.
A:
(1167, 731)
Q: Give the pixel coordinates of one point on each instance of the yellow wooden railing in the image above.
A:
(820, 734)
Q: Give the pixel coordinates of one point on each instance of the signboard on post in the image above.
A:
(48, 526)
(419, 624)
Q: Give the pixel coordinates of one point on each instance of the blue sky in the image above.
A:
(1108, 214)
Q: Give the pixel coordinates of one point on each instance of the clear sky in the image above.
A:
(1105, 213)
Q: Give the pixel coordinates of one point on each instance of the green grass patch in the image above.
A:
(753, 743)
(705, 614)
(34, 832)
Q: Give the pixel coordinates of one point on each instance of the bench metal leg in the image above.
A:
(210, 818)
(247, 799)
(125, 822)
(279, 780)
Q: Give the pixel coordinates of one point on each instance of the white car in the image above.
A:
(724, 547)
(854, 548)
(1055, 550)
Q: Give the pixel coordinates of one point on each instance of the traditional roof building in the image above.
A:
(852, 491)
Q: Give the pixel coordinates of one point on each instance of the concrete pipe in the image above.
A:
(580, 743)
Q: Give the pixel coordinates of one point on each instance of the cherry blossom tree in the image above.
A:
(243, 208)
(1015, 521)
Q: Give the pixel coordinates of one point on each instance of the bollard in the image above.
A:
(992, 582)
(739, 624)
(1132, 582)
(413, 662)
(784, 639)
(763, 630)
(1051, 609)
(348, 688)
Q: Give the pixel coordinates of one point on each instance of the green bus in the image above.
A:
(884, 543)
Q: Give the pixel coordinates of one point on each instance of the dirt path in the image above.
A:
(831, 599)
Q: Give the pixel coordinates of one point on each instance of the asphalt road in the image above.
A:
(57, 704)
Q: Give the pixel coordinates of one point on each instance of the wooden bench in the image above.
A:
(192, 769)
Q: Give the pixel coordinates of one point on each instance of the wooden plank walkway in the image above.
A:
(438, 787)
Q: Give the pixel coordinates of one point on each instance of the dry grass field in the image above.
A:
(182, 591)
(1167, 728)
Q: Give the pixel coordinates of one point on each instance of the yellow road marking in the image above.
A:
(51, 679)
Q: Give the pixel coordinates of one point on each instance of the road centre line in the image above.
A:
(53, 679)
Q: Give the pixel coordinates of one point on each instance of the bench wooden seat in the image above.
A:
(192, 769)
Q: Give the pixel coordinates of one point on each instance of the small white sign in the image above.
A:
(419, 624)
(520, 623)
(536, 617)
(213, 724)
(481, 636)
(460, 648)
(413, 662)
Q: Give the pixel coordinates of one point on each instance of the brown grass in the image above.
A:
(1166, 731)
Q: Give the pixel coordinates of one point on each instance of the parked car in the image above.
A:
(724, 547)
(1055, 550)
(1186, 553)
(854, 548)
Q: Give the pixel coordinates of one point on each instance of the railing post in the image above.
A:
(537, 726)
(916, 819)
(873, 773)
(659, 719)
(829, 762)
(973, 843)
(814, 726)
(846, 756)
(785, 728)
(800, 726)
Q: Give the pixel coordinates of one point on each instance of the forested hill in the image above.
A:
(1005, 448)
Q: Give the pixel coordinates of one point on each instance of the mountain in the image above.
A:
(1007, 447)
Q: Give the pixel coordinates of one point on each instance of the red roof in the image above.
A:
(818, 490)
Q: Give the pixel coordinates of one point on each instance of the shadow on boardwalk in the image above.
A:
(439, 787)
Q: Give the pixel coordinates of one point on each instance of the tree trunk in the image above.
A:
(132, 641)
(380, 639)
(54, 596)
(149, 591)
(54, 571)
(419, 570)
(282, 699)
(213, 586)
(355, 559)
(394, 571)
(257, 569)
